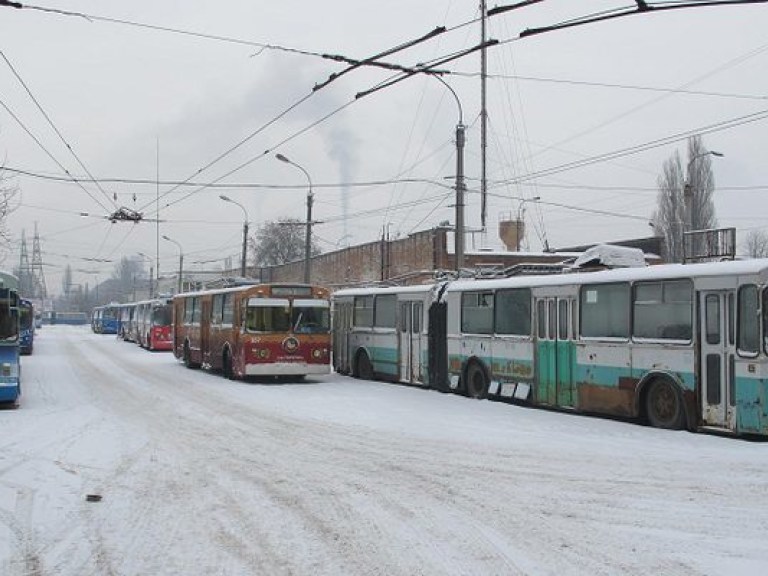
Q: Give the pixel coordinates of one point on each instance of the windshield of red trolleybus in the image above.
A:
(268, 315)
(310, 316)
(279, 315)
(162, 316)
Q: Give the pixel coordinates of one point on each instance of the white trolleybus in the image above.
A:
(677, 346)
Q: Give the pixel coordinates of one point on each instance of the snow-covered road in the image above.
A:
(199, 475)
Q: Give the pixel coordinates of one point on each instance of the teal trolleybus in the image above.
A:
(676, 346)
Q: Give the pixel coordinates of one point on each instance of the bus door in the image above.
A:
(410, 341)
(205, 328)
(717, 358)
(342, 326)
(555, 351)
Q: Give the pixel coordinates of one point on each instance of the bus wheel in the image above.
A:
(188, 357)
(226, 366)
(477, 383)
(149, 342)
(664, 406)
(363, 368)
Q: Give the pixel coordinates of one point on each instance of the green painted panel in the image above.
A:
(566, 353)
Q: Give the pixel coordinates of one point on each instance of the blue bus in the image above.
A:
(10, 371)
(104, 319)
(26, 326)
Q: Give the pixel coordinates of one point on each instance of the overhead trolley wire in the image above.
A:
(679, 137)
(51, 156)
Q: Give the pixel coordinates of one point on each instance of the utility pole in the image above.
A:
(459, 234)
(308, 235)
(483, 115)
(38, 277)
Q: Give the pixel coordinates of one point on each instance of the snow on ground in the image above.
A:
(335, 476)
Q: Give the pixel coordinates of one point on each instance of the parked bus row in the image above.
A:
(148, 323)
(27, 326)
(677, 346)
(104, 319)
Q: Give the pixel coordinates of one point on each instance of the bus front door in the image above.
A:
(717, 358)
(554, 351)
(410, 341)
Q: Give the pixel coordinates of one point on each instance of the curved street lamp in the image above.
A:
(460, 187)
(245, 231)
(181, 260)
(308, 235)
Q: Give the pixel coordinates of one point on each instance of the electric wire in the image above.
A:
(717, 127)
(50, 123)
(49, 154)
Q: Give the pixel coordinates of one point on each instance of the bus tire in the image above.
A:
(149, 342)
(188, 357)
(664, 405)
(363, 367)
(476, 381)
(226, 365)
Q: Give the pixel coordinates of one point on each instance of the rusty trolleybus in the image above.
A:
(255, 330)
(677, 346)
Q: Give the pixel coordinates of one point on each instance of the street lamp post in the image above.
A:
(151, 273)
(519, 222)
(460, 187)
(245, 232)
(308, 235)
(181, 260)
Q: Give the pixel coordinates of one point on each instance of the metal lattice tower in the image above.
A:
(25, 271)
(38, 278)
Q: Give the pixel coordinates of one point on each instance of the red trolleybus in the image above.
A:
(154, 322)
(256, 330)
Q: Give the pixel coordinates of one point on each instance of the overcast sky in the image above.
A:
(134, 102)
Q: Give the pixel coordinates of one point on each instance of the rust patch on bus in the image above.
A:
(513, 369)
(617, 401)
(626, 383)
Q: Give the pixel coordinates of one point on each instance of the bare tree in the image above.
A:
(756, 244)
(66, 281)
(685, 198)
(126, 272)
(669, 218)
(280, 242)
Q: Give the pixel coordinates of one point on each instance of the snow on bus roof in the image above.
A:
(411, 289)
(658, 272)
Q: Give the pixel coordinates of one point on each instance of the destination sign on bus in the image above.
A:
(291, 291)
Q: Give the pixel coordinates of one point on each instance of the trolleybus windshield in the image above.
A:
(9, 325)
(310, 316)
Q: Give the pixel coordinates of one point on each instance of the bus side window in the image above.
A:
(363, 312)
(748, 334)
(227, 313)
(605, 310)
